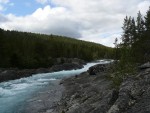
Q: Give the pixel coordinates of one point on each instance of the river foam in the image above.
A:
(15, 92)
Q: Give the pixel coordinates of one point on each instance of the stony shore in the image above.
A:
(94, 93)
(45, 100)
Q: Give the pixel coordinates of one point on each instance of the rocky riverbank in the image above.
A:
(44, 100)
(92, 92)
(60, 64)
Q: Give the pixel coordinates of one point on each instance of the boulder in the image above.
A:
(94, 94)
(98, 69)
(145, 66)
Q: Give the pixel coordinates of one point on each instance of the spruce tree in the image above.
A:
(132, 30)
(146, 38)
(140, 26)
(147, 20)
(125, 36)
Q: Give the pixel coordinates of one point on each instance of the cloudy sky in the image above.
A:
(98, 21)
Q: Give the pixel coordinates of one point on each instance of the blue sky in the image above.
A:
(98, 21)
(21, 7)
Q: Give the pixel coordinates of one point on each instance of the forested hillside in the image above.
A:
(30, 50)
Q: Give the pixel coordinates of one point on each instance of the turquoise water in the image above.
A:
(14, 92)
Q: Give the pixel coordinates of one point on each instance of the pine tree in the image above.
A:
(147, 20)
(125, 36)
(146, 38)
(132, 30)
(129, 32)
(136, 38)
(140, 26)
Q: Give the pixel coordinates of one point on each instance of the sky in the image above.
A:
(97, 21)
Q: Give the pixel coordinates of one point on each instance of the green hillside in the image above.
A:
(30, 50)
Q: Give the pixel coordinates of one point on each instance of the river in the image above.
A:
(14, 93)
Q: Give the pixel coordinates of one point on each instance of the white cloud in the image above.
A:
(47, 20)
(4, 1)
(3, 19)
(106, 38)
(2, 5)
(143, 6)
(1, 8)
(92, 20)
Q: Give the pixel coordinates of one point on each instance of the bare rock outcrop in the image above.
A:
(95, 94)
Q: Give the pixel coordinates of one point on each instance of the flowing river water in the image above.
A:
(14, 93)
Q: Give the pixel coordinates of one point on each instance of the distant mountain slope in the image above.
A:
(30, 50)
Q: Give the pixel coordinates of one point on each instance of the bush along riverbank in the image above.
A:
(94, 92)
(15, 73)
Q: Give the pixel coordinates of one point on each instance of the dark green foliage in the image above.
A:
(14, 60)
(147, 20)
(116, 50)
(136, 39)
(134, 48)
(121, 71)
(29, 50)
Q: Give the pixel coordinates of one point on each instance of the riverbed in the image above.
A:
(17, 95)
